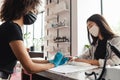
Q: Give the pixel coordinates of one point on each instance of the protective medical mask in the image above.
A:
(29, 18)
(94, 30)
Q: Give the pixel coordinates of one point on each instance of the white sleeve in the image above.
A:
(113, 61)
(88, 54)
(85, 55)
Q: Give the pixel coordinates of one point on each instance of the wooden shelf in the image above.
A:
(36, 54)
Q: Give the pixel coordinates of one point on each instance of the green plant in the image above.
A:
(26, 36)
(87, 46)
(38, 43)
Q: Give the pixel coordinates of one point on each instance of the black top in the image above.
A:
(100, 51)
(9, 31)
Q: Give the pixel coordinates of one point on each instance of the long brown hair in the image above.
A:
(105, 29)
(14, 9)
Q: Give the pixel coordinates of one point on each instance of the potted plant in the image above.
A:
(42, 43)
(39, 43)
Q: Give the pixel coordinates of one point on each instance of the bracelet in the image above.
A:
(75, 57)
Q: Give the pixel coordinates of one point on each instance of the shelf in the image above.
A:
(63, 43)
(50, 5)
(62, 11)
(54, 16)
(50, 17)
(60, 27)
(57, 24)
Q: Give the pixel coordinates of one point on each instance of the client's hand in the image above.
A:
(64, 60)
(71, 58)
(57, 59)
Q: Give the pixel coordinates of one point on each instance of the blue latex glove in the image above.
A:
(64, 60)
(57, 59)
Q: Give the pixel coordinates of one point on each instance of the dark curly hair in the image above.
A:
(14, 9)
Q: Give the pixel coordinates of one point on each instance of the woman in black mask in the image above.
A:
(99, 36)
(14, 14)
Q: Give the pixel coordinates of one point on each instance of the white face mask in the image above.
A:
(94, 30)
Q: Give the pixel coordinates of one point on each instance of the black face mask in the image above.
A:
(29, 18)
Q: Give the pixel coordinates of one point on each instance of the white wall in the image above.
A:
(85, 8)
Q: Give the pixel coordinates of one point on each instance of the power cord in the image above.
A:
(103, 70)
(90, 74)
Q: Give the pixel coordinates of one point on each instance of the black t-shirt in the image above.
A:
(9, 31)
(100, 51)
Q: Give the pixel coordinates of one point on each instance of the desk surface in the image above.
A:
(59, 76)
(67, 76)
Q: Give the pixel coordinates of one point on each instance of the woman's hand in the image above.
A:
(71, 58)
(92, 62)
